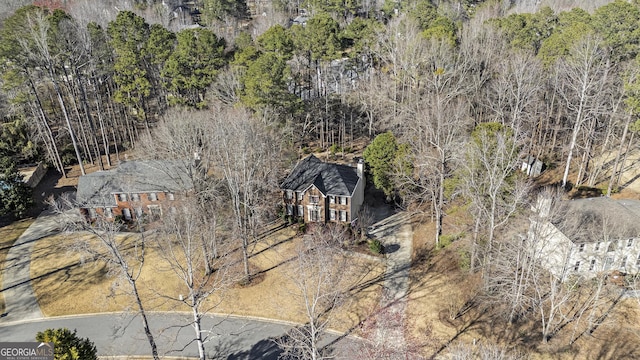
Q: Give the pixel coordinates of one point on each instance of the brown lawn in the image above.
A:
(8, 235)
(65, 286)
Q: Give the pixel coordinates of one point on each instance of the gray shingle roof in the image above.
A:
(330, 179)
(97, 189)
(587, 217)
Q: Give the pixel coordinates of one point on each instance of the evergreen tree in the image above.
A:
(15, 195)
(67, 345)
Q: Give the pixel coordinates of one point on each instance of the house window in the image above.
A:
(332, 199)
(315, 199)
(289, 209)
(170, 196)
(597, 246)
(300, 210)
(122, 197)
(638, 261)
(332, 215)
(629, 242)
(288, 194)
(612, 247)
(135, 197)
(108, 212)
(343, 215)
(126, 213)
(155, 211)
(343, 200)
(300, 196)
(138, 211)
(92, 213)
(577, 267)
(608, 262)
(581, 248)
(153, 196)
(623, 263)
(592, 265)
(314, 215)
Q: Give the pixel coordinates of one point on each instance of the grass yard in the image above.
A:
(8, 235)
(65, 286)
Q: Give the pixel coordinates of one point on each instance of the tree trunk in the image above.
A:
(617, 160)
(66, 116)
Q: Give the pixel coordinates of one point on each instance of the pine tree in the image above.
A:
(15, 195)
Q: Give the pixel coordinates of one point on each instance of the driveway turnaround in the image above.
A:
(19, 298)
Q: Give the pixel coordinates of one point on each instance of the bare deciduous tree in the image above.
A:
(186, 243)
(125, 259)
(246, 157)
(318, 273)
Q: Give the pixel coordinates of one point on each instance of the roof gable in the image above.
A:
(329, 178)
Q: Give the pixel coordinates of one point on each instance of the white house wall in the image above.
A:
(562, 257)
(552, 247)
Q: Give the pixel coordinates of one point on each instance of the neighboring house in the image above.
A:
(33, 174)
(595, 236)
(532, 166)
(323, 192)
(134, 189)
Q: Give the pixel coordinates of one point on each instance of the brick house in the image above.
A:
(317, 191)
(134, 189)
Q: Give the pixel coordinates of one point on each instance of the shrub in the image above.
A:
(375, 246)
(447, 239)
(68, 345)
(302, 228)
(334, 149)
(465, 259)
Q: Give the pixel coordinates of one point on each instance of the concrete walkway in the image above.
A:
(396, 234)
(19, 299)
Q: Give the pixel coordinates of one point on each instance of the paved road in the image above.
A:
(19, 298)
(117, 334)
(396, 234)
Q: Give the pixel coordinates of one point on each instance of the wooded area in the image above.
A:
(451, 96)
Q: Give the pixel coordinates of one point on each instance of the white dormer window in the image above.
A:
(289, 194)
(135, 197)
(629, 242)
(300, 196)
(122, 197)
(108, 212)
(153, 196)
(170, 196)
(332, 199)
(343, 200)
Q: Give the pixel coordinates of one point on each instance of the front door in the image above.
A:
(126, 213)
